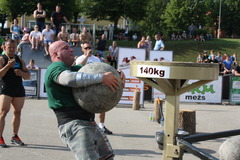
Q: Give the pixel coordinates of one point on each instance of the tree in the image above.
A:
(180, 14)
(16, 8)
(114, 10)
(151, 22)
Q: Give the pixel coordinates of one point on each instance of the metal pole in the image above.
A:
(219, 20)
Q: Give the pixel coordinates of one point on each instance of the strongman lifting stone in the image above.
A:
(98, 98)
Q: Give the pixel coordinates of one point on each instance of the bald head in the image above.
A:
(61, 51)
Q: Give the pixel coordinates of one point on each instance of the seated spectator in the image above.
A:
(24, 40)
(213, 60)
(35, 37)
(201, 38)
(184, 35)
(48, 38)
(178, 37)
(31, 65)
(197, 38)
(237, 71)
(200, 58)
(134, 37)
(63, 35)
(74, 37)
(219, 59)
(101, 58)
(211, 54)
(205, 57)
(6, 38)
(227, 65)
(233, 58)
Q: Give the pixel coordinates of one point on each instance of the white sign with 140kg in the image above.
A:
(153, 71)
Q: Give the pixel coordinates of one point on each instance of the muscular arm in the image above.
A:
(35, 14)
(78, 79)
(4, 69)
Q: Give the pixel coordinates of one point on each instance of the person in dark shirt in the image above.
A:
(12, 70)
(39, 14)
(102, 45)
(57, 18)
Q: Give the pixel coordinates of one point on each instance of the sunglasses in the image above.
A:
(87, 48)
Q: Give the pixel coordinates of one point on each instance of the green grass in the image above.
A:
(188, 50)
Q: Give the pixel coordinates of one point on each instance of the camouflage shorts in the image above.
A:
(86, 140)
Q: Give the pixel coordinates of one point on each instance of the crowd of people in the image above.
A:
(227, 63)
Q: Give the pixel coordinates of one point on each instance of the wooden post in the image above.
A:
(156, 113)
(187, 120)
(136, 100)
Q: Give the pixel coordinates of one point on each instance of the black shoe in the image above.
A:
(106, 131)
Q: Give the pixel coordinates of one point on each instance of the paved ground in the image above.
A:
(133, 137)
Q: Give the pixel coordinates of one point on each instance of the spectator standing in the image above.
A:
(35, 37)
(219, 59)
(126, 32)
(31, 65)
(106, 32)
(114, 50)
(15, 29)
(76, 126)
(57, 18)
(191, 30)
(24, 40)
(85, 36)
(12, 70)
(74, 37)
(111, 29)
(48, 38)
(102, 42)
(159, 45)
(63, 35)
(39, 14)
(149, 42)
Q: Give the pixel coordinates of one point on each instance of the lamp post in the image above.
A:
(219, 20)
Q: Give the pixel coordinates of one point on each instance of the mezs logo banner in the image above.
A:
(207, 93)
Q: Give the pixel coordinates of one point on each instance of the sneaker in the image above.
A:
(2, 143)
(16, 140)
(106, 131)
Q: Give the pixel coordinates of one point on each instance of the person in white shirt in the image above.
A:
(35, 37)
(48, 38)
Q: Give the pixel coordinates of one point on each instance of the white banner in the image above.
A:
(160, 56)
(43, 92)
(208, 93)
(132, 83)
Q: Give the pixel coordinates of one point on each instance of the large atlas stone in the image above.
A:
(98, 98)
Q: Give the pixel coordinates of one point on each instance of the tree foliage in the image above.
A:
(152, 22)
(114, 10)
